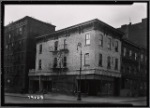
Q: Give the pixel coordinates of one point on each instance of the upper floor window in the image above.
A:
(135, 56)
(56, 45)
(116, 64)
(109, 43)
(116, 46)
(40, 64)
(124, 52)
(55, 63)
(86, 59)
(9, 36)
(108, 62)
(20, 30)
(142, 57)
(65, 45)
(101, 40)
(65, 62)
(130, 53)
(6, 46)
(40, 49)
(100, 60)
(87, 39)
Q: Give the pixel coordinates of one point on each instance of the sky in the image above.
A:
(63, 16)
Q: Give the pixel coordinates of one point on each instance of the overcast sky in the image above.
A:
(63, 16)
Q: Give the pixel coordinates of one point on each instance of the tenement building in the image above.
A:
(19, 51)
(134, 59)
(93, 47)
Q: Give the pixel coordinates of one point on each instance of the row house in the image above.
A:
(92, 46)
(19, 51)
(134, 68)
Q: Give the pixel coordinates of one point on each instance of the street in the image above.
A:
(63, 99)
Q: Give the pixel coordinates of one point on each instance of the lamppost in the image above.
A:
(79, 83)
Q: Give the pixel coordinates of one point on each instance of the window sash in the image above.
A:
(40, 63)
(109, 43)
(87, 39)
(100, 60)
(86, 59)
(40, 49)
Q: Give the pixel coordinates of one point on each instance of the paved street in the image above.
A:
(60, 98)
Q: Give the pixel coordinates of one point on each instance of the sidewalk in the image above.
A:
(87, 99)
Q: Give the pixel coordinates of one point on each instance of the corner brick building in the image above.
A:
(58, 60)
(19, 51)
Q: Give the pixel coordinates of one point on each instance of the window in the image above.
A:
(40, 49)
(9, 36)
(109, 43)
(130, 53)
(20, 30)
(124, 52)
(100, 60)
(65, 45)
(116, 46)
(56, 45)
(116, 64)
(87, 39)
(108, 62)
(101, 40)
(65, 62)
(40, 63)
(6, 46)
(142, 57)
(135, 56)
(86, 59)
(55, 63)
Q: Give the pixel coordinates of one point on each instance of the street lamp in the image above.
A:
(79, 83)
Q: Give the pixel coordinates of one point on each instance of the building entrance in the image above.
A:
(47, 86)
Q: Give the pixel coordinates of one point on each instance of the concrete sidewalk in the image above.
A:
(87, 99)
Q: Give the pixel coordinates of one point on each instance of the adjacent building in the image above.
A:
(134, 59)
(19, 51)
(92, 46)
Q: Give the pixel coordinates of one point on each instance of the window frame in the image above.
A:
(100, 62)
(108, 62)
(86, 59)
(109, 43)
(56, 45)
(116, 46)
(40, 64)
(124, 51)
(87, 39)
(116, 63)
(101, 40)
(40, 49)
